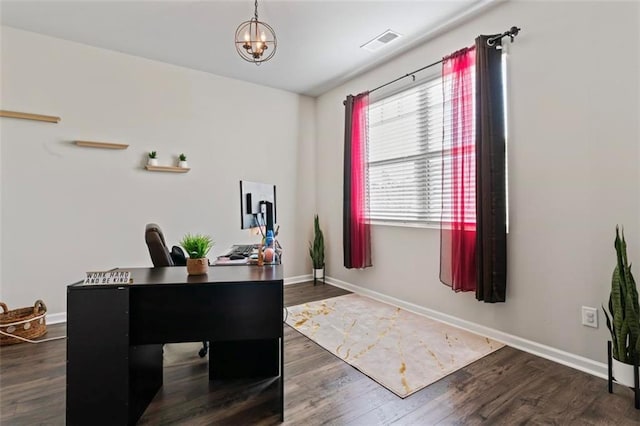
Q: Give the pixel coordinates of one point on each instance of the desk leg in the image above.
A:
(244, 359)
(282, 379)
(98, 356)
(145, 378)
(109, 382)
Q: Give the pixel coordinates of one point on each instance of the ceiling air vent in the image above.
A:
(380, 41)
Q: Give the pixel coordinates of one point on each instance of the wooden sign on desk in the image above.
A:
(108, 277)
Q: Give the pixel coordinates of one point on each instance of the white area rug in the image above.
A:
(402, 351)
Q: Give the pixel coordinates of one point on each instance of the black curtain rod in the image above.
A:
(511, 33)
(411, 74)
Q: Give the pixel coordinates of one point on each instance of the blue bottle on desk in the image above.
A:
(269, 248)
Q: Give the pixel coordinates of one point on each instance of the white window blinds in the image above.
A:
(404, 156)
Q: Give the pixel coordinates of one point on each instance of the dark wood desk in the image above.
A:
(115, 335)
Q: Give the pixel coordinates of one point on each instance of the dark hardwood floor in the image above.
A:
(505, 388)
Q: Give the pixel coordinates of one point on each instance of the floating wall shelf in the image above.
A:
(27, 116)
(167, 169)
(107, 145)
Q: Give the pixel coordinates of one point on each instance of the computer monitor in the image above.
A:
(257, 205)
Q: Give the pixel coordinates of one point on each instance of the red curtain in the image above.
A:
(458, 224)
(356, 231)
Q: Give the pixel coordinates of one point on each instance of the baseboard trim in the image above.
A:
(598, 369)
(298, 279)
(58, 318)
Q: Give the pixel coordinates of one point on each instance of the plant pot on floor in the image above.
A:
(318, 275)
(197, 266)
(623, 373)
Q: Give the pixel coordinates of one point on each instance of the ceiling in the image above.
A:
(318, 41)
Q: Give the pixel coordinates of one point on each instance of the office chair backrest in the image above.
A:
(157, 247)
(178, 256)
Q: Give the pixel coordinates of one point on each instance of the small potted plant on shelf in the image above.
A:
(623, 319)
(153, 159)
(197, 246)
(182, 163)
(316, 250)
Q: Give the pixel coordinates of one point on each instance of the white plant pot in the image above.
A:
(183, 164)
(152, 162)
(318, 273)
(623, 373)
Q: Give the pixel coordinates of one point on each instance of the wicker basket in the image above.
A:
(28, 323)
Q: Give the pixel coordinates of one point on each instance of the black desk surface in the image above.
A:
(178, 275)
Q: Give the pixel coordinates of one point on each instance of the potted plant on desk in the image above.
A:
(316, 251)
(623, 319)
(197, 246)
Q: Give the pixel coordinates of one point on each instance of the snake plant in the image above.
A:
(624, 323)
(316, 249)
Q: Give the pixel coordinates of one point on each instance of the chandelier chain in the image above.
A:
(256, 9)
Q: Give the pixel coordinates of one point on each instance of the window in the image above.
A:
(407, 133)
(404, 155)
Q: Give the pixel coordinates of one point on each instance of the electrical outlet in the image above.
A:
(590, 316)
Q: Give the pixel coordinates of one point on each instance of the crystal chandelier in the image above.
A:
(255, 40)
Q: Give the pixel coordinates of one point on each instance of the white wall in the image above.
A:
(67, 209)
(574, 103)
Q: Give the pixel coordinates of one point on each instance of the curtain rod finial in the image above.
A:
(513, 32)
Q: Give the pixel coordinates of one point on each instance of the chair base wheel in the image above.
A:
(205, 348)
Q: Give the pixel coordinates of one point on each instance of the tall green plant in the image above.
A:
(624, 323)
(316, 248)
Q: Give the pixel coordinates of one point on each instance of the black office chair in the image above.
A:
(161, 256)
